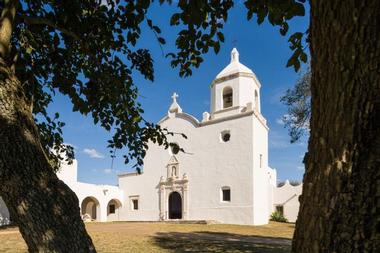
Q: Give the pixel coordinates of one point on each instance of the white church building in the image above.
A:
(223, 175)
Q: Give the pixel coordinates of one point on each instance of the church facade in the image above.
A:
(222, 175)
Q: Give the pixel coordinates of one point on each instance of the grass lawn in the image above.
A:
(163, 237)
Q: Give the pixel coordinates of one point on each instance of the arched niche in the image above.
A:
(90, 209)
(113, 209)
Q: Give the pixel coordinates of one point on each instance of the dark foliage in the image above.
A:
(87, 51)
(298, 101)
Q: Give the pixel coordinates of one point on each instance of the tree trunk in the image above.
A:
(340, 202)
(45, 209)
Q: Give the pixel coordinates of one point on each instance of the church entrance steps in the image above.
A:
(174, 221)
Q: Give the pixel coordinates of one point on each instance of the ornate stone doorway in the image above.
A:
(173, 193)
(175, 206)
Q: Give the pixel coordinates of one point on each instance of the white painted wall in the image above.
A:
(209, 164)
(102, 193)
(288, 196)
(68, 172)
(261, 180)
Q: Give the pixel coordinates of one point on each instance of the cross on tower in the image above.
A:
(174, 97)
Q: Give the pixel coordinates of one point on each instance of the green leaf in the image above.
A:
(161, 40)
(220, 36)
(216, 47)
(303, 57)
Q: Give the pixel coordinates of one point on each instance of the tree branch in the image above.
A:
(45, 21)
(6, 25)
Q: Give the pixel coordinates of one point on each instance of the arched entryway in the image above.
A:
(175, 206)
(90, 209)
(113, 210)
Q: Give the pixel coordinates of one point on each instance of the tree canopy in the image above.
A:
(87, 51)
(297, 99)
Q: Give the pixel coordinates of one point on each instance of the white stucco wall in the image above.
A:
(209, 164)
(272, 173)
(4, 214)
(103, 194)
(288, 197)
(68, 172)
(261, 180)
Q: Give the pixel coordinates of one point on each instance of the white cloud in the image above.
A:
(110, 171)
(276, 140)
(107, 171)
(93, 153)
(301, 168)
(280, 121)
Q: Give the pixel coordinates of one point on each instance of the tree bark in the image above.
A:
(44, 208)
(340, 202)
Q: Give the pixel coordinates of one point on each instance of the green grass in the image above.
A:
(163, 237)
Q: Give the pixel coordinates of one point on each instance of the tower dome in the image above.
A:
(234, 67)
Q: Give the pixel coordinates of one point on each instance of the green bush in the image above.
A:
(277, 216)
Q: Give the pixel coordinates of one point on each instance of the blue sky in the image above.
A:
(261, 48)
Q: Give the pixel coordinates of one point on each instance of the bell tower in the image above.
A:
(234, 88)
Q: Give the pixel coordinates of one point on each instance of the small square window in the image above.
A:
(135, 204)
(226, 194)
(112, 208)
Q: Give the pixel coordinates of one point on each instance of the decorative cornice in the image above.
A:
(227, 109)
(174, 182)
(233, 76)
(196, 123)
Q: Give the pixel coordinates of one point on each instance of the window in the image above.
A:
(226, 194)
(225, 136)
(227, 97)
(135, 204)
(112, 208)
(280, 209)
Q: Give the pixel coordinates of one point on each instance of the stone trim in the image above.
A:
(196, 123)
(166, 188)
(227, 109)
(233, 76)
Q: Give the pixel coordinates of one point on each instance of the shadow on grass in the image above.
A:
(220, 242)
(6, 227)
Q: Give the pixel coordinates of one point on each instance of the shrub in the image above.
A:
(277, 216)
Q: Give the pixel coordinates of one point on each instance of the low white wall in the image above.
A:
(102, 193)
(287, 197)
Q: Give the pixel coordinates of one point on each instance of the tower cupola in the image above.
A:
(234, 88)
